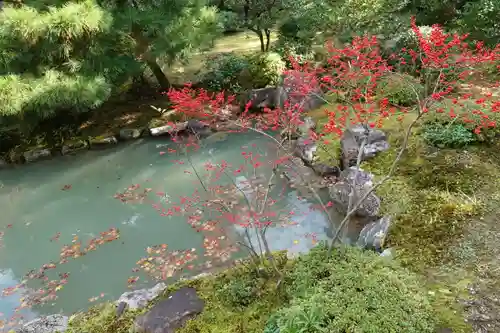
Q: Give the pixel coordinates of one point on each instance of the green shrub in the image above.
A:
(222, 72)
(447, 136)
(467, 116)
(236, 73)
(265, 69)
(296, 52)
(353, 291)
(402, 89)
(238, 292)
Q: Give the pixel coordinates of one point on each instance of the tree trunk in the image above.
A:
(159, 74)
(142, 53)
(261, 38)
(268, 38)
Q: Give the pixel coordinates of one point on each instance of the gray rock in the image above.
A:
(198, 128)
(170, 314)
(388, 253)
(162, 130)
(264, 97)
(97, 143)
(73, 147)
(138, 299)
(50, 324)
(376, 141)
(3, 163)
(36, 154)
(340, 191)
(305, 148)
(308, 125)
(120, 308)
(372, 236)
(324, 170)
(303, 129)
(130, 133)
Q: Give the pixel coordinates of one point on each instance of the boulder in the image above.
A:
(130, 133)
(264, 97)
(372, 236)
(170, 314)
(3, 163)
(162, 130)
(198, 128)
(300, 88)
(388, 253)
(376, 141)
(325, 170)
(72, 147)
(138, 299)
(49, 324)
(36, 154)
(103, 142)
(340, 191)
(305, 148)
(168, 129)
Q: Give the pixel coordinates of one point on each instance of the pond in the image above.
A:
(69, 199)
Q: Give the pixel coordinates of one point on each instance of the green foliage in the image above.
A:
(229, 21)
(102, 319)
(467, 116)
(400, 89)
(265, 69)
(353, 290)
(54, 91)
(261, 14)
(238, 292)
(447, 136)
(355, 17)
(441, 12)
(224, 313)
(236, 73)
(71, 56)
(480, 20)
(430, 196)
(222, 72)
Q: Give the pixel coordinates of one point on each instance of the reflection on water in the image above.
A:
(73, 199)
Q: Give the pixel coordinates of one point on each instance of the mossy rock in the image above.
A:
(157, 122)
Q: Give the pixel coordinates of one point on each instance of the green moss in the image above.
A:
(431, 196)
(354, 291)
(102, 319)
(237, 301)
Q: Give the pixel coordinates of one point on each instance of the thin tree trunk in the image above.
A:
(261, 38)
(142, 53)
(268, 38)
(159, 74)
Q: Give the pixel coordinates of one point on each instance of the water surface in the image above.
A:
(47, 204)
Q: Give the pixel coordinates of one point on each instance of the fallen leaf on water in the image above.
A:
(66, 187)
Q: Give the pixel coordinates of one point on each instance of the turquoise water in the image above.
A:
(47, 204)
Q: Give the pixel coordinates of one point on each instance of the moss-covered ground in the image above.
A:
(445, 205)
